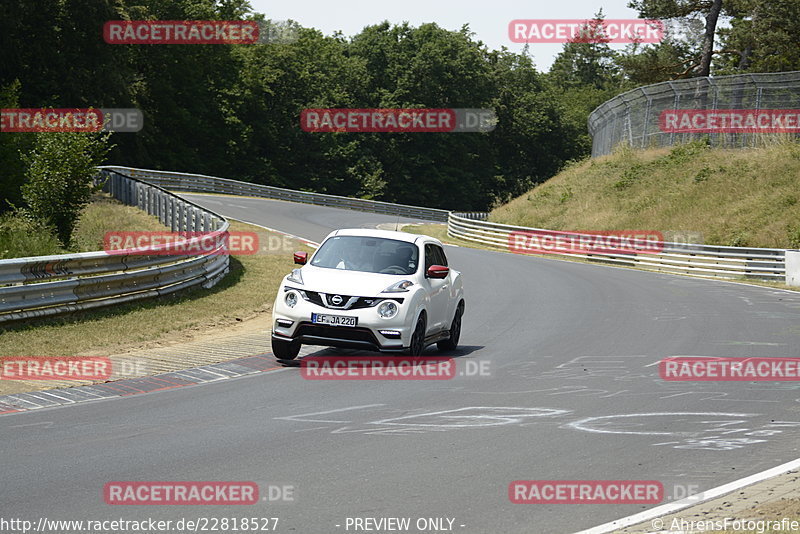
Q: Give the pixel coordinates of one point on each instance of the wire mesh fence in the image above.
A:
(637, 117)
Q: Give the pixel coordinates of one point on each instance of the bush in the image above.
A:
(21, 237)
(60, 170)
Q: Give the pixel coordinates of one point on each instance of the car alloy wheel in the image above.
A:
(418, 338)
(451, 343)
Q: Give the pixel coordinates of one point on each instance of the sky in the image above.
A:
(487, 19)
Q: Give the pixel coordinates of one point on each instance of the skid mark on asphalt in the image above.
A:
(438, 421)
(711, 431)
(715, 431)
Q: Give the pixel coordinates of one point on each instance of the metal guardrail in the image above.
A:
(682, 258)
(633, 117)
(198, 183)
(49, 285)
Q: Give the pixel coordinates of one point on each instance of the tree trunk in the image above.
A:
(704, 69)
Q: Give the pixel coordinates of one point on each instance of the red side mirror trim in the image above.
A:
(438, 271)
(300, 258)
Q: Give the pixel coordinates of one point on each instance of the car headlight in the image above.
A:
(291, 299)
(387, 309)
(399, 287)
(295, 276)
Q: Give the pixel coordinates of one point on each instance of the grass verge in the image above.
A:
(246, 292)
(21, 238)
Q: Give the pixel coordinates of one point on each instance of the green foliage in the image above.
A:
(793, 236)
(59, 171)
(233, 110)
(762, 37)
(21, 237)
(12, 169)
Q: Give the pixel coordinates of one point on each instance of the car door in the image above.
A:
(438, 289)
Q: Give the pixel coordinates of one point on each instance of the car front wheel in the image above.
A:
(417, 344)
(451, 343)
(285, 350)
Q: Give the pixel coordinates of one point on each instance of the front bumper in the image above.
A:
(365, 335)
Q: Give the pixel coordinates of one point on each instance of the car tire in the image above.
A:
(417, 344)
(285, 350)
(451, 343)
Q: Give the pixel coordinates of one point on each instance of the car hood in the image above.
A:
(342, 282)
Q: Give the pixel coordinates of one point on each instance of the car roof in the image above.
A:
(386, 234)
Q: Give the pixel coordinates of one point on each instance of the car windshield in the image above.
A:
(367, 254)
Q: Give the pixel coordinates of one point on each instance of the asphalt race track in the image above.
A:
(572, 393)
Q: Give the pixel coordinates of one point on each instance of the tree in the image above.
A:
(59, 174)
(764, 36)
(587, 61)
(12, 169)
(585, 74)
(709, 10)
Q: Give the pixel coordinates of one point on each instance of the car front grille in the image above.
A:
(348, 302)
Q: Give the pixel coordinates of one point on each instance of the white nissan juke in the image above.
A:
(369, 289)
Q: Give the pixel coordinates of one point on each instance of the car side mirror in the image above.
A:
(437, 271)
(300, 258)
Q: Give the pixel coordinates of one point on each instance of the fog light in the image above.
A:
(291, 299)
(387, 309)
(394, 334)
(285, 323)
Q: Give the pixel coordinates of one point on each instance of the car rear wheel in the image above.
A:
(285, 350)
(417, 344)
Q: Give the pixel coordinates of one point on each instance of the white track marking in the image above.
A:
(707, 495)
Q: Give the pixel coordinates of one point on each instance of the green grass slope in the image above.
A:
(737, 197)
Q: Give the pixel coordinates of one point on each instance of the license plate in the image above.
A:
(333, 320)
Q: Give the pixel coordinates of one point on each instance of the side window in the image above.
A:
(430, 256)
(442, 258)
(434, 255)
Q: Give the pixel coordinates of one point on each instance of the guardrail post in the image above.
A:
(162, 208)
(207, 222)
(793, 268)
(179, 223)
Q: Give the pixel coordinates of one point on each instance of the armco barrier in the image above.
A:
(198, 183)
(49, 285)
(683, 258)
